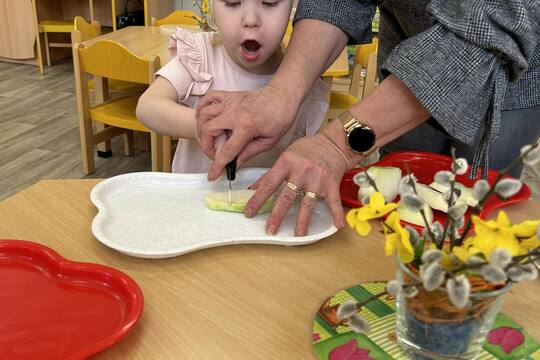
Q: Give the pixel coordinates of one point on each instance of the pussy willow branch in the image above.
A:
(516, 260)
(491, 190)
(422, 212)
(371, 181)
(449, 221)
(378, 295)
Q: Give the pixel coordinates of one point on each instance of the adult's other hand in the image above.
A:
(253, 122)
(313, 166)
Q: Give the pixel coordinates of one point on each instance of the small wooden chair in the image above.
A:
(365, 69)
(111, 60)
(50, 26)
(184, 17)
(83, 30)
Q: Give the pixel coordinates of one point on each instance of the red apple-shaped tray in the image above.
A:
(54, 308)
(424, 166)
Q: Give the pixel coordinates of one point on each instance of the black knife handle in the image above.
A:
(231, 170)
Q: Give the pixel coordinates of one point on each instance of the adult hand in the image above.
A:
(253, 121)
(314, 165)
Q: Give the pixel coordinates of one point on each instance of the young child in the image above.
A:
(241, 56)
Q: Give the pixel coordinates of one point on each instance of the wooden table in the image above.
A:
(146, 41)
(231, 302)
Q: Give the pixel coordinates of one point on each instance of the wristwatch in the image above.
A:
(360, 137)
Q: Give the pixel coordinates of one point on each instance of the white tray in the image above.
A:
(159, 215)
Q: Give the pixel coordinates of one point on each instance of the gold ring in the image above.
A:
(311, 195)
(293, 187)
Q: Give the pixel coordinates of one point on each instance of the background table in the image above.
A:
(231, 302)
(146, 41)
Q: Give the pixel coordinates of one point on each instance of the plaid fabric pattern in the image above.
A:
(463, 59)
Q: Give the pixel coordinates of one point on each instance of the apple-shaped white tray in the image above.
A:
(159, 215)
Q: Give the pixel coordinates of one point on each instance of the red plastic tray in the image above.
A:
(53, 308)
(424, 165)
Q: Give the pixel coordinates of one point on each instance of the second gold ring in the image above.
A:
(311, 195)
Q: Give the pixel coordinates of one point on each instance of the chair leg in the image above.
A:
(157, 151)
(39, 56)
(101, 95)
(166, 154)
(328, 81)
(129, 149)
(104, 149)
(144, 141)
(47, 51)
(87, 146)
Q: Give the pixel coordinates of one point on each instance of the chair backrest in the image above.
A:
(363, 51)
(288, 33)
(84, 30)
(110, 59)
(366, 60)
(184, 17)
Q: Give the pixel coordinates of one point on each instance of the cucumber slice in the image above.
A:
(220, 201)
(414, 217)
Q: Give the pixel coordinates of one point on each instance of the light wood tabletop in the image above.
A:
(231, 302)
(146, 41)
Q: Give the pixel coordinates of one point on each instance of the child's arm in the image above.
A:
(158, 110)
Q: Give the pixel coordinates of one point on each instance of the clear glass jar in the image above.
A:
(428, 326)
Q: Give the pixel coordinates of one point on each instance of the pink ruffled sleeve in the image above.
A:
(187, 70)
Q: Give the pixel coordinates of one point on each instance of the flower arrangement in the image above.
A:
(446, 271)
(205, 22)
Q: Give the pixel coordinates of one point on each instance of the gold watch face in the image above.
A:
(360, 138)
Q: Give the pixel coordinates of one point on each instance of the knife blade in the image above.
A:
(230, 168)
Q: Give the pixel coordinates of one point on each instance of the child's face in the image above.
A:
(252, 30)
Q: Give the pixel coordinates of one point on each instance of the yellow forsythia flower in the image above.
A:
(358, 218)
(397, 238)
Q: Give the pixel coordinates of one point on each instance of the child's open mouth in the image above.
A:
(250, 50)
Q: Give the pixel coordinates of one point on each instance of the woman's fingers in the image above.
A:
(232, 147)
(211, 97)
(307, 206)
(266, 186)
(333, 201)
(286, 198)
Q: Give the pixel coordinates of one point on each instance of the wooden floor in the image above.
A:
(39, 135)
(39, 132)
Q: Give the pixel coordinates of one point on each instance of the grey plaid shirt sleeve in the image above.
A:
(352, 16)
(460, 67)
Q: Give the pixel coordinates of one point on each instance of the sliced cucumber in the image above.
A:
(220, 201)
(414, 217)
(466, 192)
(387, 180)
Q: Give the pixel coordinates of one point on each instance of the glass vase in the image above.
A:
(428, 326)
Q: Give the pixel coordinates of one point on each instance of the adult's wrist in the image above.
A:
(286, 100)
(336, 134)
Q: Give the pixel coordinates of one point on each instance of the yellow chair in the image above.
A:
(288, 33)
(184, 17)
(51, 26)
(111, 60)
(83, 31)
(365, 68)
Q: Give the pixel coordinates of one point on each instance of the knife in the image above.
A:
(230, 168)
